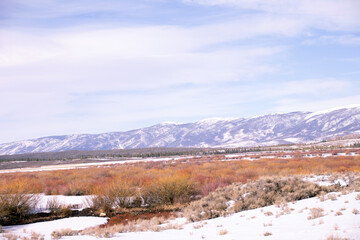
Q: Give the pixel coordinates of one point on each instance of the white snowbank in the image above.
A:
(75, 202)
(254, 224)
(91, 164)
(46, 228)
(288, 222)
(325, 180)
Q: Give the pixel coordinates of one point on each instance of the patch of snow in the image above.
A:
(46, 228)
(75, 202)
(325, 180)
(171, 123)
(330, 110)
(86, 165)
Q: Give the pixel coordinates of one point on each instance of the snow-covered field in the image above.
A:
(46, 228)
(341, 218)
(92, 164)
(75, 202)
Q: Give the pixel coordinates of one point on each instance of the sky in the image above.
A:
(93, 66)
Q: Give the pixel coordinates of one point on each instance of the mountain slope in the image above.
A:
(295, 127)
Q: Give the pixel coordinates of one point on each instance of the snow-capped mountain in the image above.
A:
(272, 129)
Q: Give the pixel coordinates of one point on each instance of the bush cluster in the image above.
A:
(166, 191)
(260, 193)
(16, 204)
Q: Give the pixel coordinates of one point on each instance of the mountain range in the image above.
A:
(272, 129)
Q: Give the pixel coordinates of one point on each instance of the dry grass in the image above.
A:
(331, 196)
(267, 234)
(163, 183)
(268, 213)
(338, 213)
(355, 211)
(223, 232)
(14, 207)
(316, 213)
(199, 225)
(256, 194)
(267, 224)
(12, 236)
(334, 237)
(357, 197)
(205, 173)
(64, 232)
(140, 225)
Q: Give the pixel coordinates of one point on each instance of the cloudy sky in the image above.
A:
(92, 66)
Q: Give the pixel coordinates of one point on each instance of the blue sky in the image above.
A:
(96, 66)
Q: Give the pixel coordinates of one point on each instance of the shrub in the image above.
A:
(332, 196)
(100, 204)
(63, 232)
(357, 197)
(332, 237)
(139, 225)
(355, 211)
(268, 213)
(338, 213)
(16, 206)
(169, 190)
(316, 213)
(223, 232)
(256, 194)
(267, 234)
(53, 205)
(12, 236)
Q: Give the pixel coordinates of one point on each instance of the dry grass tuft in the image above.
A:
(64, 232)
(315, 213)
(357, 197)
(12, 236)
(338, 213)
(140, 225)
(267, 234)
(355, 211)
(256, 194)
(268, 213)
(223, 232)
(333, 237)
(331, 196)
(267, 224)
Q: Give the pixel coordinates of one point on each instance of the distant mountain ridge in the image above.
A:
(272, 129)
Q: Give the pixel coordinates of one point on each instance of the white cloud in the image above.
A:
(97, 79)
(323, 14)
(313, 105)
(336, 39)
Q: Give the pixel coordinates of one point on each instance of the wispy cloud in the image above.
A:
(335, 39)
(94, 66)
(324, 14)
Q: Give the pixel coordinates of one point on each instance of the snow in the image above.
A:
(293, 140)
(46, 228)
(331, 110)
(286, 222)
(325, 180)
(211, 132)
(216, 119)
(254, 224)
(171, 123)
(75, 202)
(86, 165)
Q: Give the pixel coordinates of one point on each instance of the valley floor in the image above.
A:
(335, 215)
